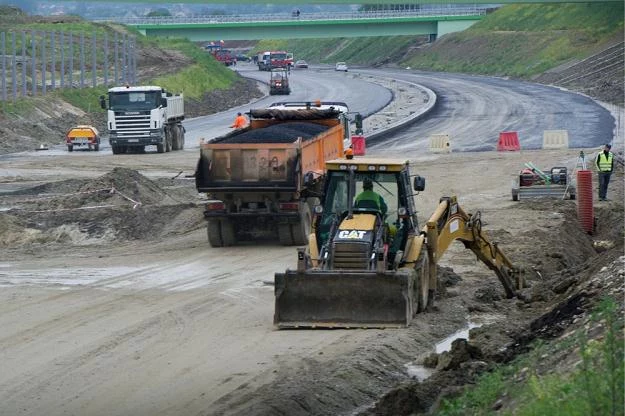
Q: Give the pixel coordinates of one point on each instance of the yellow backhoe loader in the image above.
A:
(367, 263)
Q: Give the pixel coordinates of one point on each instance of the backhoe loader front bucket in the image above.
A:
(344, 299)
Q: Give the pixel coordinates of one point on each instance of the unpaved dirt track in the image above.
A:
(168, 325)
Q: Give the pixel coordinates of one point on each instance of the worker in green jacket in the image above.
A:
(368, 197)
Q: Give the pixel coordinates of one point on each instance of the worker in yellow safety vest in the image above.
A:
(605, 165)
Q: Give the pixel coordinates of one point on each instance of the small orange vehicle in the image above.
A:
(83, 136)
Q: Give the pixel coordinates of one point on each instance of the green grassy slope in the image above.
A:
(364, 51)
(524, 40)
(516, 40)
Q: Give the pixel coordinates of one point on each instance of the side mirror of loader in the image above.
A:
(419, 183)
(102, 102)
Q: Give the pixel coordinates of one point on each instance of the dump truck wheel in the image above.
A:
(228, 236)
(70, 148)
(423, 281)
(301, 230)
(284, 234)
(181, 137)
(160, 148)
(174, 138)
(220, 233)
(168, 140)
(175, 142)
(213, 229)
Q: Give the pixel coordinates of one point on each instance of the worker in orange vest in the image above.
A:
(239, 122)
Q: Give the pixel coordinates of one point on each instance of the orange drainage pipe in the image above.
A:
(585, 212)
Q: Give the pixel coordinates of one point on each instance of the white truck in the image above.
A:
(144, 116)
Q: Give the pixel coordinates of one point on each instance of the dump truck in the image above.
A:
(83, 135)
(140, 116)
(370, 265)
(254, 177)
(279, 82)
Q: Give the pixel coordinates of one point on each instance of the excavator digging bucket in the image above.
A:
(344, 299)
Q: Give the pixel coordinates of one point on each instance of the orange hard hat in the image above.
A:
(349, 153)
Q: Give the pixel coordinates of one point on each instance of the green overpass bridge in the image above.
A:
(434, 22)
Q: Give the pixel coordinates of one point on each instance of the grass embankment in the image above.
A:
(543, 383)
(364, 51)
(203, 75)
(524, 40)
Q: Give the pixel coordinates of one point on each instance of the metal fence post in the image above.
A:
(106, 59)
(23, 64)
(134, 60)
(71, 60)
(82, 60)
(13, 67)
(93, 60)
(4, 66)
(124, 67)
(33, 62)
(62, 47)
(43, 63)
(116, 61)
(53, 59)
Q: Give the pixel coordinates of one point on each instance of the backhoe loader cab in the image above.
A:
(367, 264)
(354, 232)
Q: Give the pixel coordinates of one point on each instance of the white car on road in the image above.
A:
(340, 66)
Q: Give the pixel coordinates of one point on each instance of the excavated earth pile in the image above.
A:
(120, 205)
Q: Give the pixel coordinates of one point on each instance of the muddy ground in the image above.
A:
(123, 211)
(140, 210)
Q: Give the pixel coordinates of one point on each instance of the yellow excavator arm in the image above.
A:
(448, 223)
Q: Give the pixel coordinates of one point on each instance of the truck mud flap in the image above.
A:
(331, 299)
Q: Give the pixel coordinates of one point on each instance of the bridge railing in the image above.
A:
(251, 18)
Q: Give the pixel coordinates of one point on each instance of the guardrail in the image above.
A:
(252, 18)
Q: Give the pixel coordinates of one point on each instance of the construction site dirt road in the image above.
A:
(112, 302)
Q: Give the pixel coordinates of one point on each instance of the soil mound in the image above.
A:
(120, 205)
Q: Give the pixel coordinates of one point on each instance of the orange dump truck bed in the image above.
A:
(271, 153)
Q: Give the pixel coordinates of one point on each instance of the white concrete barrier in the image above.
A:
(555, 139)
(440, 143)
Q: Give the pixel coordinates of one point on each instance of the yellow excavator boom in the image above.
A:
(449, 222)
